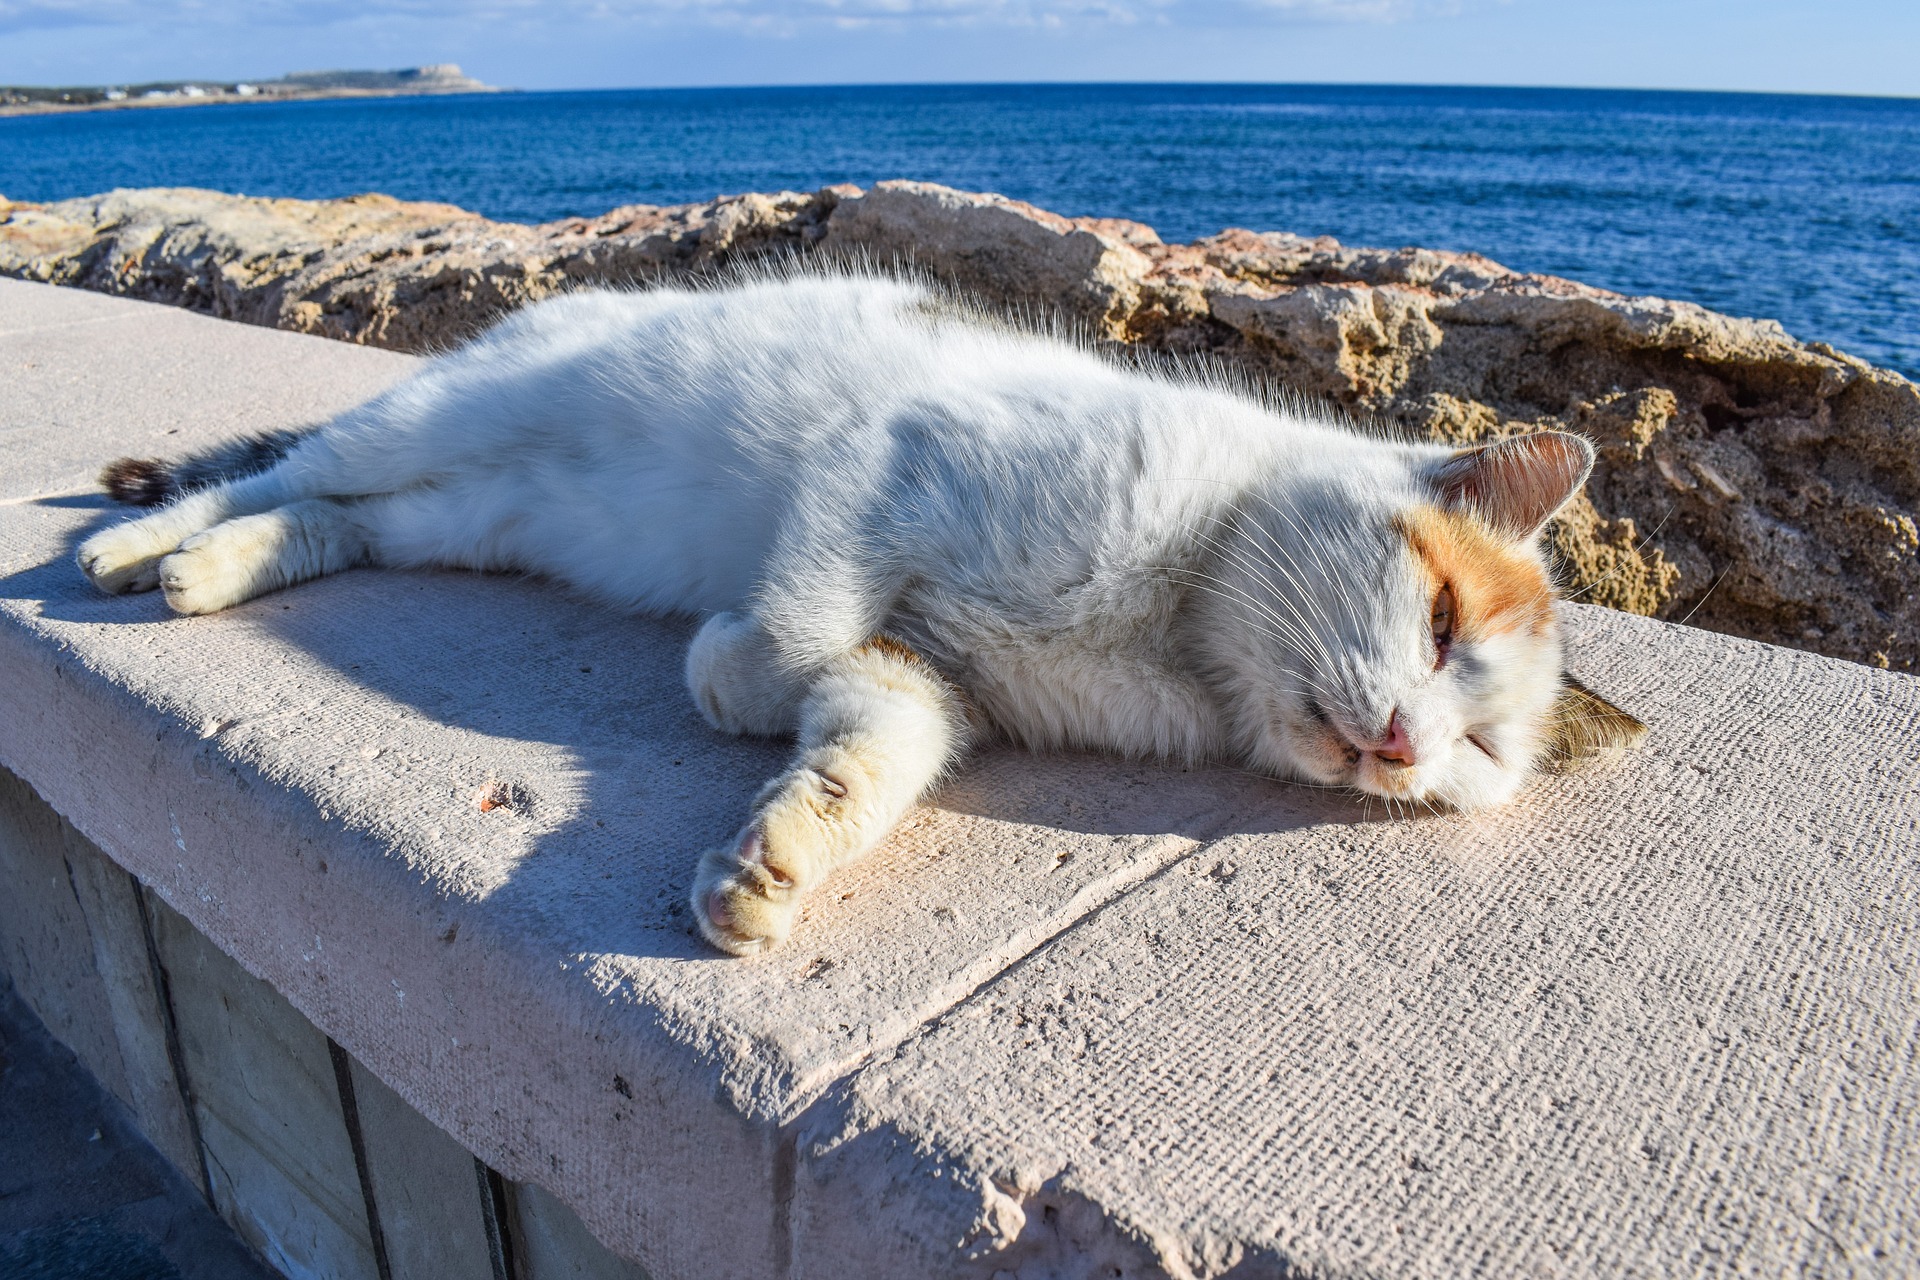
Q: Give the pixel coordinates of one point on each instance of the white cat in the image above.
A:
(909, 526)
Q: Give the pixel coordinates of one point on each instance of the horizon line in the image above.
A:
(1031, 84)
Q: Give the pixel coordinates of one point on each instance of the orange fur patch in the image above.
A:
(900, 651)
(1497, 586)
(886, 644)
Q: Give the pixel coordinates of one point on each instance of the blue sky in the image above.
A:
(1840, 46)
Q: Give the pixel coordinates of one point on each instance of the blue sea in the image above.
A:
(1801, 209)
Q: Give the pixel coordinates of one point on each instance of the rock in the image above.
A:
(1006, 252)
(1747, 482)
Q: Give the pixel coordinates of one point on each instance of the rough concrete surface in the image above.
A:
(1076, 1014)
(1537, 1042)
(1747, 482)
(82, 1194)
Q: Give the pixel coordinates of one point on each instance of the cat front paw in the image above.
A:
(122, 558)
(736, 678)
(744, 905)
(746, 896)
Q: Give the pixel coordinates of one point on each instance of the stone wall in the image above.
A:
(1748, 482)
(321, 1169)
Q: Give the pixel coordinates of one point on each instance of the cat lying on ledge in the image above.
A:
(909, 526)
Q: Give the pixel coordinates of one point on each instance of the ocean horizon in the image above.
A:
(1799, 208)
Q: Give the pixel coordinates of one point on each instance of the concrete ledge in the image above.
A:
(1076, 1014)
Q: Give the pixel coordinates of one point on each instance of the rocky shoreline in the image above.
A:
(1748, 482)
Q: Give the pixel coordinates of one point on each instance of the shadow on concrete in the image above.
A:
(82, 502)
(620, 785)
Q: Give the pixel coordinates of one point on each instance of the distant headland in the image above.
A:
(442, 77)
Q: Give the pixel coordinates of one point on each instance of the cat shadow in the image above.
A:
(1089, 793)
(578, 715)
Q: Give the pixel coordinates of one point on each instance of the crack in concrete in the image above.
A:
(1091, 899)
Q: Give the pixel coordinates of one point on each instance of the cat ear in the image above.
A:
(1585, 726)
(1516, 485)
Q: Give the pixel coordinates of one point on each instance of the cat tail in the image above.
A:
(152, 482)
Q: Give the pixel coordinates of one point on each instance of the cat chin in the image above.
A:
(1468, 786)
(1460, 783)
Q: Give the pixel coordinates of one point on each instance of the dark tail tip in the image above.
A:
(138, 482)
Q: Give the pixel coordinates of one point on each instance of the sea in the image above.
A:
(1796, 208)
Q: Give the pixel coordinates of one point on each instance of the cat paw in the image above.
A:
(736, 679)
(207, 574)
(743, 905)
(745, 897)
(122, 558)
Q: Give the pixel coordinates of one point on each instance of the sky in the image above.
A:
(1794, 46)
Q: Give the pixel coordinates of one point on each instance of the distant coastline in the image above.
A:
(444, 77)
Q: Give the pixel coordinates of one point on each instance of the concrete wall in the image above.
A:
(322, 1169)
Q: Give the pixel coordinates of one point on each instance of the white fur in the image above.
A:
(1096, 557)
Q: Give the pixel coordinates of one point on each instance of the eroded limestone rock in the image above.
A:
(1747, 482)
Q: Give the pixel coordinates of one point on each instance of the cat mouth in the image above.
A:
(1387, 778)
(1330, 758)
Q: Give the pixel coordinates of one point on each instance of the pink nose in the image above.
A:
(1396, 748)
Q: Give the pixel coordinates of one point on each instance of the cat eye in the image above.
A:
(1442, 625)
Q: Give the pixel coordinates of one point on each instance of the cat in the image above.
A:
(909, 526)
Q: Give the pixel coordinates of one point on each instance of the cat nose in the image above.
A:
(1396, 747)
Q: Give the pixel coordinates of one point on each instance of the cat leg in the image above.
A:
(253, 554)
(877, 728)
(250, 555)
(126, 556)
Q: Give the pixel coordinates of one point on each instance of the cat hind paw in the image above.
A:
(122, 558)
(204, 576)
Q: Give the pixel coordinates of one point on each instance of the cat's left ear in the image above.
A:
(1516, 485)
(1585, 726)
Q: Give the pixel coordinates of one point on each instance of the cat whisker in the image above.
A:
(1229, 591)
(1618, 569)
(1312, 543)
(1703, 599)
(1296, 620)
(1282, 599)
(1292, 574)
(1272, 627)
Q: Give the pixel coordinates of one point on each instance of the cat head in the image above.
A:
(1389, 623)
